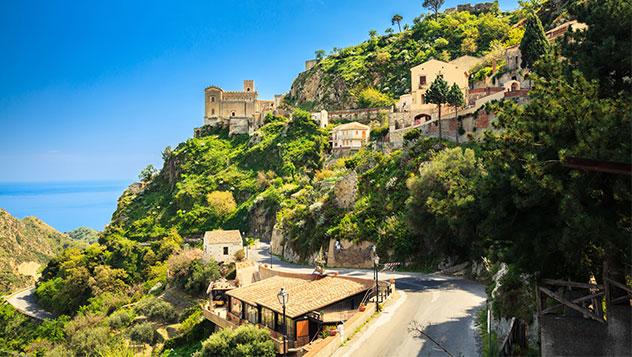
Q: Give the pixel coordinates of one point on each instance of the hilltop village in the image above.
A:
(457, 185)
(243, 113)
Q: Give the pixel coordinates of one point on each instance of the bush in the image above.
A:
(412, 135)
(142, 333)
(119, 319)
(373, 98)
(240, 255)
(156, 309)
(246, 340)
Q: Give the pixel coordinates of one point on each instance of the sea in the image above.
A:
(63, 205)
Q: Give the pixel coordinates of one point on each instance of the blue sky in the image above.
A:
(95, 90)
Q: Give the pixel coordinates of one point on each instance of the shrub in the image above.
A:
(142, 333)
(240, 255)
(246, 340)
(156, 309)
(119, 319)
(373, 98)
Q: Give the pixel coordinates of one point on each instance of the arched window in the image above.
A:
(212, 99)
(232, 114)
(247, 89)
(212, 111)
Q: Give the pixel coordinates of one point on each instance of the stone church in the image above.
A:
(241, 112)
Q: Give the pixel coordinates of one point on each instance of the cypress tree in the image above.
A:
(534, 43)
(455, 98)
(438, 94)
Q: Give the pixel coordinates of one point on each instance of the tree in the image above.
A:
(456, 99)
(373, 98)
(246, 340)
(222, 202)
(442, 204)
(397, 19)
(534, 44)
(320, 54)
(438, 94)
(388, 31)
(372, 34)
(433, 5)
(602, 51)
(147, 173)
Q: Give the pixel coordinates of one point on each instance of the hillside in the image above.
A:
(383, 61)
(25, 245)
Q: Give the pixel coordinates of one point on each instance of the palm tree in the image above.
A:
(438, 94)
(455, 99)
(397, 19)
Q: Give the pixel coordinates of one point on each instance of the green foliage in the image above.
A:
(148, 173)
(373, 98)
(438, 94)
(433, 5)
(455, 96)
(602, 51)
(190, 272)
(442, 205)
(85, 234)
(142, 333)
(246, 340)
(534, 43)
(156, 309)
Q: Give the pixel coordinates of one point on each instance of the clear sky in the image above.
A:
(94, 90)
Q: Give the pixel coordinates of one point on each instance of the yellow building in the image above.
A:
(241, 112)
(350, 136)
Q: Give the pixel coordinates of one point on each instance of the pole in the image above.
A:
(377, 289)
(284, 332)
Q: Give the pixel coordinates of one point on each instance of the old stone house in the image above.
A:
(221, 245)
(239, 111)
(349, 136)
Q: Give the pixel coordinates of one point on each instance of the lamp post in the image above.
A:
(283, 297)
(376, 262)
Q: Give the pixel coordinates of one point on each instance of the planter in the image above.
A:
(362, 308)
(333, 332)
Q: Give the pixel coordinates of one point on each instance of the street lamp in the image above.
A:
(376, 262)
(283, 297)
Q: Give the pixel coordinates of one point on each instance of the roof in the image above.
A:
(304, 295)
(220, 236)
(352, 126)
(432, 61)
(466, 62)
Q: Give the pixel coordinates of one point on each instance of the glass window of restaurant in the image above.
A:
(267, 318)
(251, 313)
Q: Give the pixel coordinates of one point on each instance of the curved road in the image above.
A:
(24, 302)
(444, 307)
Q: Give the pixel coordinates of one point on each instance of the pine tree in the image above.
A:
(534, 43)
(438, 94)
(456, 99)
(434, 5)
(397, 19)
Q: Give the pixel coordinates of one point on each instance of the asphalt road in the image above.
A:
(24, 301)
(444, 307)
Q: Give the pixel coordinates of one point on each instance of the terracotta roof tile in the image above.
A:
(304, 295)
(220, 236)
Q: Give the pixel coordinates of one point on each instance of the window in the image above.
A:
(212, 111)
(423, 99)
(232, 114)
(251, 314)
(267, 318)
(212, 99)
(225, 250)
(422, 81)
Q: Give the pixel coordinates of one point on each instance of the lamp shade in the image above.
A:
(283, 296)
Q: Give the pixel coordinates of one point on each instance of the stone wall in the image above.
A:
(345, 190)
(350, 254)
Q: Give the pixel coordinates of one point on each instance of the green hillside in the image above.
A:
(506, 199)
(25, 244)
